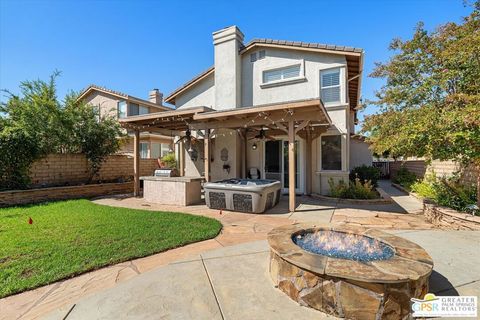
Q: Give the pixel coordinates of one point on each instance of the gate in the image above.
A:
(384, 167)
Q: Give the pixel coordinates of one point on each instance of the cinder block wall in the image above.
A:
(59, 169)
(441, 168)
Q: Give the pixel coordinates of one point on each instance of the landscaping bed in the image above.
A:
(20, 197)
(383, 198)
(68, 238)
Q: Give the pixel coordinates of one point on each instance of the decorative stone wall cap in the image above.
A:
(410, 261)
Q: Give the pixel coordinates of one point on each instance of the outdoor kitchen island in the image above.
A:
(181, 191)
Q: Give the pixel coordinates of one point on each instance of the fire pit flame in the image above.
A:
(344, 245)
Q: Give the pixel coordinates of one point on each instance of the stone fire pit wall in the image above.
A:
(345, 288)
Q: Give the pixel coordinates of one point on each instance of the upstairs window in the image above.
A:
(281, 74)
(331, 152)
(122, 109)
(330, 85)
(143, 110)
(133, 109)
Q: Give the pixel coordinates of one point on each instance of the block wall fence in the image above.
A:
(441, 168)
(60, 169)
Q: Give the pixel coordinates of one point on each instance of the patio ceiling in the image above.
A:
(306, 114)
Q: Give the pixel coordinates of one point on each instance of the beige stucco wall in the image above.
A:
(107, 103)
(311, 64)
(253, 92)
(360, 154)
(202, 94)
(224, 138)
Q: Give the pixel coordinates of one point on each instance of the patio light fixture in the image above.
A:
(254, 146)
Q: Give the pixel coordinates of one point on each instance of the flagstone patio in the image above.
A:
(233, 283)
(238, 228)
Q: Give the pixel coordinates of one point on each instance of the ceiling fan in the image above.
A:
(187, 137)
(262, 136)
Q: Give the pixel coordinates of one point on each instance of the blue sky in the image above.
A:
(134, 46)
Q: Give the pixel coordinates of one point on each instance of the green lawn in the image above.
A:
(71, 237)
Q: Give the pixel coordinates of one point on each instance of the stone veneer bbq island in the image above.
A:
(371, 287)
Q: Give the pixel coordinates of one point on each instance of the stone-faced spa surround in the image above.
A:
(378, 289)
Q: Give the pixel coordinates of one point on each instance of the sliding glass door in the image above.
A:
(276, 163)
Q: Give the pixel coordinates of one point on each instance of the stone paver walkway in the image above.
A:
(408, 203)
(237, 228)
(233, 283)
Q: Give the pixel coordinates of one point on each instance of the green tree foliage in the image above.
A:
(35, 123)
(430, 103)
(89, 133)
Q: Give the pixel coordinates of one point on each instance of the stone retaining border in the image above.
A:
(385, 199)
(451, 219)
(20, 197)
(443, 217)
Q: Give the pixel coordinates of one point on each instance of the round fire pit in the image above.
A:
(349, 272)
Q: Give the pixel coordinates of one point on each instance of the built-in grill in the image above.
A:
(243, 195)
(166, 173)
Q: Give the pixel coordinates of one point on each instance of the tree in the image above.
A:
(94, 135)
(35, 123)
(430, 103)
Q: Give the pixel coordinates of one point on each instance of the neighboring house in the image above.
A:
(265, 72)
(121, 105)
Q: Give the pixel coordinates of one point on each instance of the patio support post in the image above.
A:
(181, 155)
(136, 163)
(244, 156)
(291, 165)
(308, 164)
(206, 142)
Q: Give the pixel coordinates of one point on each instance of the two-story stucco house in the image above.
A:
(269, 71)
(121, 105)
(268, 109)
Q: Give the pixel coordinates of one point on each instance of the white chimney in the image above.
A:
(227, 44)
(155, 96)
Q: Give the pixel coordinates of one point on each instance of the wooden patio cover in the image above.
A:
(305, 118)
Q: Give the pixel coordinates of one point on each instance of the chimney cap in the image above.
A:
(226, 34)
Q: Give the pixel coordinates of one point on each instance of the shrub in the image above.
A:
(447, 192)
(425, 188)
(36, 123)
(366, 173)
(405, 177)
(450, 193)
(169, 160)
(17, 151)
(352, 190)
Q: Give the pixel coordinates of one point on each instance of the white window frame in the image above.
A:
(299, 78)
(147, 155)
(340, 84)
(125, 104)
(344, 153)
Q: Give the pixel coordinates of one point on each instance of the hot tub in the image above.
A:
(242, 195)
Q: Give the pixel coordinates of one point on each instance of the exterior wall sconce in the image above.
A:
(254, 146)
